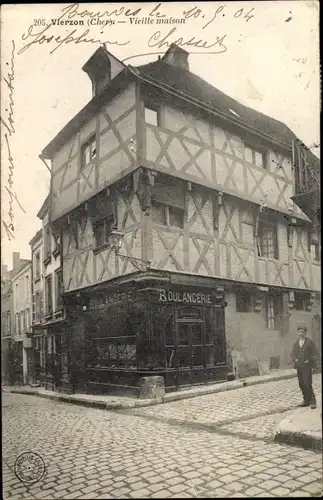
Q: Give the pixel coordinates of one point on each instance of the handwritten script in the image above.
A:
(9, 123)
(74, 15)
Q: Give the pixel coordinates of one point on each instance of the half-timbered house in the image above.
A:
(182, 249)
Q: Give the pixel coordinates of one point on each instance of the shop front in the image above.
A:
(51, 357)
(147, 329)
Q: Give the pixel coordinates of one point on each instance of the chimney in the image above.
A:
(15, 260)
(177, 57)
(98, 68)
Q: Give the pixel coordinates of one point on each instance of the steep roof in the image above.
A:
(193, 86)
(44, 208)
(187, 85)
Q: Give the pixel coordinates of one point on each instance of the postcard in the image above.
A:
(161, 246)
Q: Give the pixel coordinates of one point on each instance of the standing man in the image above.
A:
(304, 355)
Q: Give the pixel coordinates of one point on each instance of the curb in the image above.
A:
(169, 397)
(299, 439)
(225, 386)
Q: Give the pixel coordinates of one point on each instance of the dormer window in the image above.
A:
(89, 151)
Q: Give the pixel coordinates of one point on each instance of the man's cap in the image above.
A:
(302, 326)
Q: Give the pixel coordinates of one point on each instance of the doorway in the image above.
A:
(195, 350)
(190, 349)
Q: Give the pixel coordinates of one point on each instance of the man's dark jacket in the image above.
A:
(306, 356)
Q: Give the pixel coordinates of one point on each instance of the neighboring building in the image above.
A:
(49, 334)
(6, 323)
(37, 290)
(22, 315)
(198, 187)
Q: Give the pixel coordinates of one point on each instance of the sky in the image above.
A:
(267, 57)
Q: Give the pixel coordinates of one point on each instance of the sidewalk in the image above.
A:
(302, 428)
(122, 402)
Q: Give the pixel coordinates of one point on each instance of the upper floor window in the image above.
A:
(47, 242)
(37, 306)
(88, 151)
(57, 246)
(274, 311)
(256, 156)
(37, 265)
(315, 251)
(167, 215)
(58, 289)
(152, 116)
(27, 284)
(267, 240)
(49, 295)
(102, 229)
(27, 318)
(8, 322)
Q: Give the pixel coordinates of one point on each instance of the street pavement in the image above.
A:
(217, 445)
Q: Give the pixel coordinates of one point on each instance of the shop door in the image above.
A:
(190, 351)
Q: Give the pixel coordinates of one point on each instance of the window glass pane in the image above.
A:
(151, 116)
(87, 157)
(248, 154)
(259, 157)
(268, 241)
(183, 356)
(196, 334)
(159, 213)
(176, 217)
(182, 334)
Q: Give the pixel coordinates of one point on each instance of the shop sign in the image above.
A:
(112, 299)
(184, 297)
(189, 313)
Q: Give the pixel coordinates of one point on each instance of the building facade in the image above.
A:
(183, 252)
(37, 290)
(49, 334)
(22, 316)
(6, 324)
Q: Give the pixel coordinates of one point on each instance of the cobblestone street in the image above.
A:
(217, 445)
